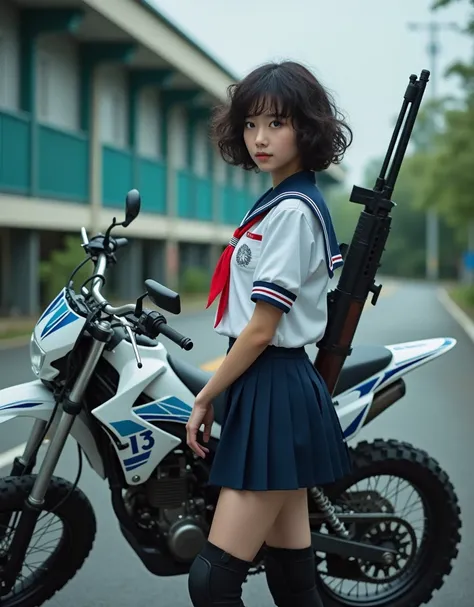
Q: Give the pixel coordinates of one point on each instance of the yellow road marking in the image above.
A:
(213, 365)
(387, 290)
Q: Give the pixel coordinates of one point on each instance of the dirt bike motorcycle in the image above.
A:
(104, 377)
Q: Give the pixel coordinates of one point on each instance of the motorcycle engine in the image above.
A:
(165, 504)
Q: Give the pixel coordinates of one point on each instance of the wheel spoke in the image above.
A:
(395, 496)
(41, 547)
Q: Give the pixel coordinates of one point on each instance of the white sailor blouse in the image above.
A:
(287, 260)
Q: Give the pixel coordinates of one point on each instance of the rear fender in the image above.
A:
(354, 404)
(410, 355)
(33, 399)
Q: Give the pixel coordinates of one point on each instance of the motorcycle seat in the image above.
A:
(364, 362)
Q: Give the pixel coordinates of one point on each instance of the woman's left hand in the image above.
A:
(202, 413)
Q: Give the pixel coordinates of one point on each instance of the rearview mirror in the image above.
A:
(164, 298)
(132, 207)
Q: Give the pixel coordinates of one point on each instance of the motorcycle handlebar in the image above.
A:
(155, 323)
(183, 342)
(160, 323)
(97, 295)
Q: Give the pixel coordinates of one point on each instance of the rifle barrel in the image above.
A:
(362, 260)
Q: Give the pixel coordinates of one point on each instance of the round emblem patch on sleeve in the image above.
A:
(244, 255)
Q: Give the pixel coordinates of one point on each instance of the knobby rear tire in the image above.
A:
(443, 534)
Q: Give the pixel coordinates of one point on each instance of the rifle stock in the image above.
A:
(363, 256)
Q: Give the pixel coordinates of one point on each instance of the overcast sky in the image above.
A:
(362, 50)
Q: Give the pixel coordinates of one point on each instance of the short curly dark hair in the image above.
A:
(290, 90)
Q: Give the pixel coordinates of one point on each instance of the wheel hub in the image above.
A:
(394, 535)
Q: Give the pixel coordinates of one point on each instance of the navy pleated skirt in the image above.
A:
(280, 429)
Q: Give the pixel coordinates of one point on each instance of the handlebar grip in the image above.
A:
(177, 338)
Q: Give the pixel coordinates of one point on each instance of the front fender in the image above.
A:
(33, 399)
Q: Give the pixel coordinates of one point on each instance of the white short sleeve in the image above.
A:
(285, 258)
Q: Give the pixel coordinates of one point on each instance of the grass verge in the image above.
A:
(463, 295)
(18, 327)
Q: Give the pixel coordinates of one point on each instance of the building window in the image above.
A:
(148, 124)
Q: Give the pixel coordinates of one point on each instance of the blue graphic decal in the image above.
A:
(352, 427)
(409, 346)
(21, 404)
(127, 427)
(141, 440)
(141, 445)
(367, 387)
(135, 462)
(51, 306)
(61, 316)
(403, 366)
(170, 409)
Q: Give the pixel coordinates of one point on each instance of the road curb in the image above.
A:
(456, 312)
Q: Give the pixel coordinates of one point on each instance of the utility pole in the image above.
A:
(432, 225)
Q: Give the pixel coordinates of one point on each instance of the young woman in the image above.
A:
(281, 434)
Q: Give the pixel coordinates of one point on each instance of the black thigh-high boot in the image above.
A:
(216, 578)
(291, 577)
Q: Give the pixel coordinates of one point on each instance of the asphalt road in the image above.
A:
(437, 415)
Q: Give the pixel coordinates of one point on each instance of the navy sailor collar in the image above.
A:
(302, 186)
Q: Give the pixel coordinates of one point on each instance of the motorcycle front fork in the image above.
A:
(68, 410)
(27, 461)
(24, 465)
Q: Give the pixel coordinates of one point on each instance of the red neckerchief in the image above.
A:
(221, 277)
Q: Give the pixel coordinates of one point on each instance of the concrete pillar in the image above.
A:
(174, 115)
(4, 269)
(215, 251)
(218, 171)
(129, 277)
(154, 261)
(174, 155)
(94, 55)
(95, 152)
(23, 296)
(172, 265)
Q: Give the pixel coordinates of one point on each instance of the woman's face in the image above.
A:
(271, 143)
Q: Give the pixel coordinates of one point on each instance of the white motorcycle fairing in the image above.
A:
(353, 405)
(55, 334)
(33, 399)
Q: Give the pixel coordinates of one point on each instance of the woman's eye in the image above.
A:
(249, 125)
(276, 123)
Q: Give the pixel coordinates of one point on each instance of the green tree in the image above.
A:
(437, 4)
(344, 214)
(447, 175)
(55, 272)
(404, 255)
